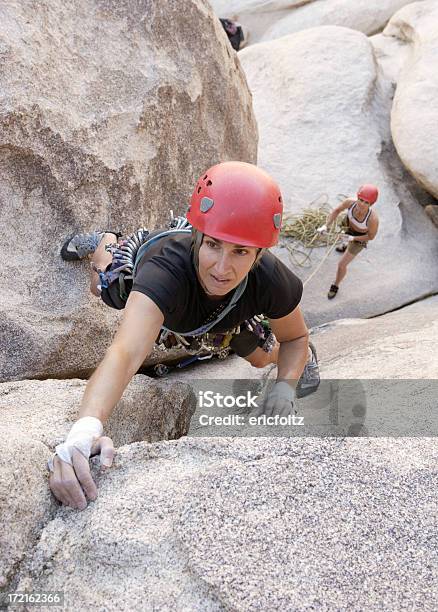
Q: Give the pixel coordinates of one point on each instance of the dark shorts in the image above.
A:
(355, 247)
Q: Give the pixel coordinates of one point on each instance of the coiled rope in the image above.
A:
(302, 237)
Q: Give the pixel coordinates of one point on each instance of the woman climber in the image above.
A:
(362, 224)
(204, 284)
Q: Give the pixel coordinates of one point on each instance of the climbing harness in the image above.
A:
(128, 252)
(210, 345)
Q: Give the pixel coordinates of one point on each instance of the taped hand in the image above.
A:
(70, 479)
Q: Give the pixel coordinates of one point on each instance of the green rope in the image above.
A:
(299, 231)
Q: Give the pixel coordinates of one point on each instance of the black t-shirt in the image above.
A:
(166, 274)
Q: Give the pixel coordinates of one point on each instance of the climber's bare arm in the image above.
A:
(72, 483)
(292, 334)
(336, 211)
(134, 340)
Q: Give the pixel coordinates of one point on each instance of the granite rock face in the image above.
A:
(108, 114)
(267, 20)
(224, 523)
(26, 503)
(413, 118)
(398, 345)
(364, 15)
(227, 525)
(36, 416)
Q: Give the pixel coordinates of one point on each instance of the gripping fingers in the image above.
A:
(64, 485)
(55, 483)
(105, 448)
(269, 406)
(286, 409)
(280, 401)
(278, 407)
(73, 484)
(84, 483)
(274, 405)
(83, 474)
(71, 487)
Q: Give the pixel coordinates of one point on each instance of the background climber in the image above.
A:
(235, 32)
(361, 225)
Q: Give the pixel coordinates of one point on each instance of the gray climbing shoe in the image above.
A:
(80, 246)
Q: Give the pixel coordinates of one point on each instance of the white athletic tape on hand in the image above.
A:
(82, 435)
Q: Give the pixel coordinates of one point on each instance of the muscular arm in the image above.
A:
(133, 342)
(336, 211)
(70, 478)
(292, 334)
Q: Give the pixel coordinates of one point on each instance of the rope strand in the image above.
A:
(301, 237)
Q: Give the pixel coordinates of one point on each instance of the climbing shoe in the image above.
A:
(332, 292)
(80, 245)
(310, 379)
(341, 248)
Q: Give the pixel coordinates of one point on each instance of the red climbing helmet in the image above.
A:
(369, 193)
(239, 203)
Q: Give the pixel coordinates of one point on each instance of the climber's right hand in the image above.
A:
(322, 230)
(70, 479)
(72, 484)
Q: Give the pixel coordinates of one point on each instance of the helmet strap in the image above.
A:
(197, 238)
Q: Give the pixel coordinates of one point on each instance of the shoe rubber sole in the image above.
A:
(67, 255)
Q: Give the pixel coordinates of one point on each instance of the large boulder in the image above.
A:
(324, 112)
(276, 18)
(249, 524)
(36, 415)
(413, 119)
(391, 54)
(108, 114)
(367, 16)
